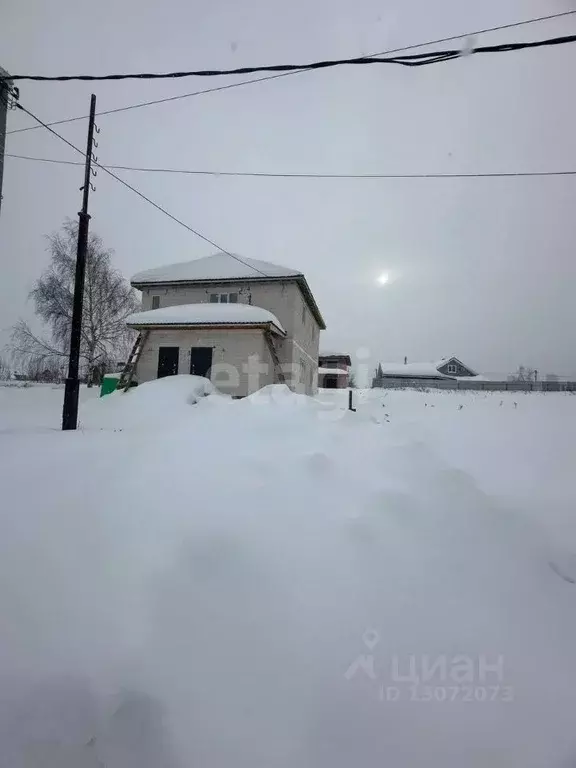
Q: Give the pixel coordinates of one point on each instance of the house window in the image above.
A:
(303, 314)
(223, 298)
(155, 302)
(452, 368)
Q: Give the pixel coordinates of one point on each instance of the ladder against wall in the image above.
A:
(130, 368)
(275, 359)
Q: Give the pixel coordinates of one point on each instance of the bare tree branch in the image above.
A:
(108, 300)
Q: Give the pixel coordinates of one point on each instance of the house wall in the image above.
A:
(342, 381)
(303, 347)
(298, 352)
(236, 356)
(417, 381)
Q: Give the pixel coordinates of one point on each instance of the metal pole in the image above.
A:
(72, 386)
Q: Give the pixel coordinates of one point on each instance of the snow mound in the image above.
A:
(154, 404)
(255, 585)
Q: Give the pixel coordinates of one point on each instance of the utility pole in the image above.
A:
(7, 92)
(72, 386)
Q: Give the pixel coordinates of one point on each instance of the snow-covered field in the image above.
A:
(280, 583)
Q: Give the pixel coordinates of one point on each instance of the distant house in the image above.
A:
(242, 323)
(334, 371)
(448, 368)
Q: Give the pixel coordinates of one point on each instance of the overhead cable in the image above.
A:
(141, 194)
(242, 83)
(410, 60)
(268, 175)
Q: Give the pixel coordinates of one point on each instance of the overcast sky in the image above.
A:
(481, 268)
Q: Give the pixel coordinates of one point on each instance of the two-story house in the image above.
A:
(334, 370)
(242, 323)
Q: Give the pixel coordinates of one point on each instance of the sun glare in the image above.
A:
(383, 278)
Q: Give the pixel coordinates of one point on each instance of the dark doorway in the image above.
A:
(331, 382)
(201, 361)
(168, 361)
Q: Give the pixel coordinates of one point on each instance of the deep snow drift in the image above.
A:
(252, 583)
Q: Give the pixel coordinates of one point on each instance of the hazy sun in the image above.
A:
(383, 278)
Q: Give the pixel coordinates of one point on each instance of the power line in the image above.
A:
(142, 195)
(412, 60)
(156, 101)
(414, 46)
(258, 174)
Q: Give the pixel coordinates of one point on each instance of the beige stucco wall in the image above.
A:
(241, 361)
(304, 345)
(298, 352)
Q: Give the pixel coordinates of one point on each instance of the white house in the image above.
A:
(243, 323)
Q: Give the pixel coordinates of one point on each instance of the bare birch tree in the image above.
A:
(5, 372)
(108, 300)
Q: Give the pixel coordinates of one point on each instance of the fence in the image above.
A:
(475, 384)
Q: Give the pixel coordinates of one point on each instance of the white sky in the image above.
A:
(483, 269)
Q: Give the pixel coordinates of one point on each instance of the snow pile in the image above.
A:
(204, 314)
(156, 404)
(247, 586)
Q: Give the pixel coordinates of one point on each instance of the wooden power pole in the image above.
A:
(72, 386)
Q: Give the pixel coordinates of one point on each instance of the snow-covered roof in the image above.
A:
(415, 370)
(204, 314)
(220, 266)
(337, 371)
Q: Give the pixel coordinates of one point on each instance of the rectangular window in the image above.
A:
(223, 298)
(303, 314)
(452, 368)
(155, 302)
